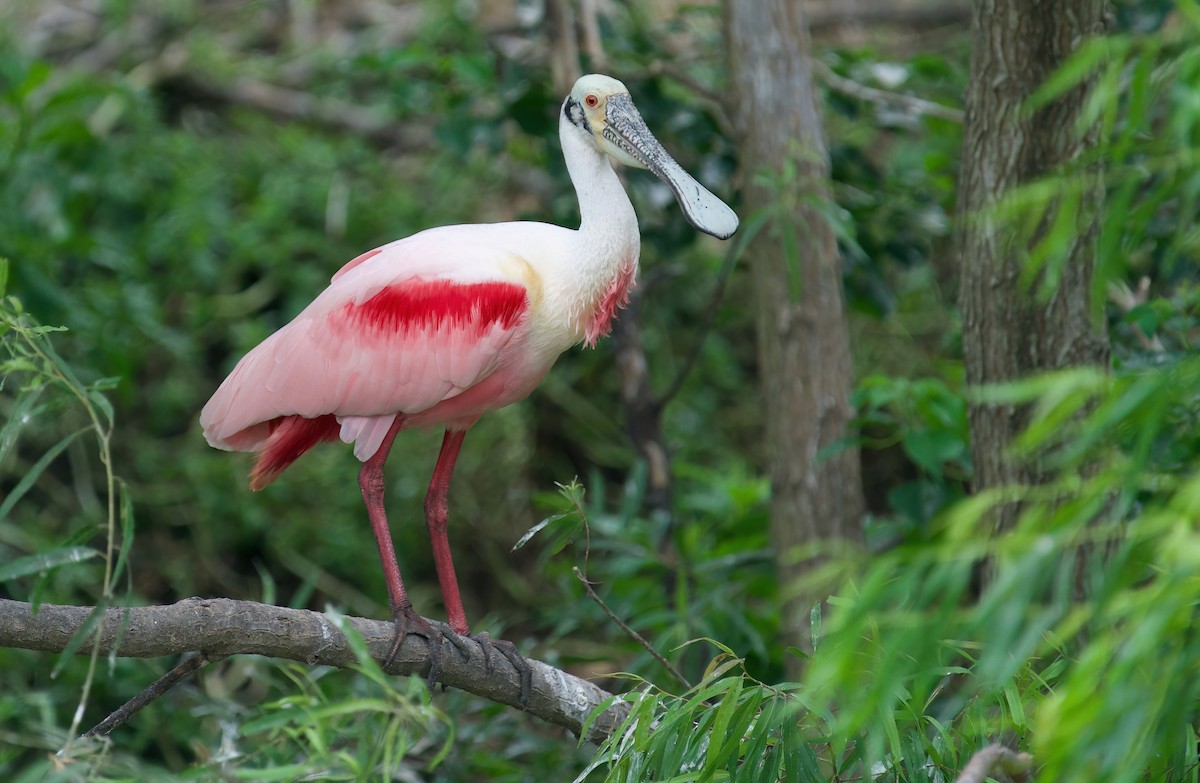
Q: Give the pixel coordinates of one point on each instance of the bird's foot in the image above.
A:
(406, 622)
(509, 651)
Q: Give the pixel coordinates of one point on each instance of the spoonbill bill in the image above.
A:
(448, 324)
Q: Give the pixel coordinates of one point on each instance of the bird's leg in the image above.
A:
(437, 518)
(370, 481)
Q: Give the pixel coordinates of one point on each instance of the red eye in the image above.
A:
(592, 101)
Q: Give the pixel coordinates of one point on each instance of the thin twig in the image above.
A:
(713, 98)
(1127, 300)
(637, 637)
(873, 95)
(184, 669)
(706, 324)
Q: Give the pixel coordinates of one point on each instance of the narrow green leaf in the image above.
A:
(44, 561)
(29, 478)
(719, 739)
(285, 772)
(22, 414)
(81, 635)
(762, 732)
(596, 713)
(1016, 708)
(448, 745)
(533, 531)
(366, 662)
(345, 707)
(888, 720)
(101, 402)
(126, 513)
(1079, 67)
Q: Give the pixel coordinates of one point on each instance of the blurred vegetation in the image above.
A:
(169, 224)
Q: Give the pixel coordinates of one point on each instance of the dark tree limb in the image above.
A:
(220, 627)
(184, 669)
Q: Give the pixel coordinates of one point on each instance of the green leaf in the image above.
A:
(30, 477)
(1088, 58)
(44, 561)
(931, 449)
(81, 635)
(126, 513)
(533, 531)
(285, 772)
(21, 415)
(1016, 708)
(719, 738)
(1145, 317)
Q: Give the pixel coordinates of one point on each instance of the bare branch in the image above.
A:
(706, 324)
(864, 93)
(1126, 299)
(993, 760)
(220, 627)
(712, 97)
(284, 102)
(637, 637)
(184, 669)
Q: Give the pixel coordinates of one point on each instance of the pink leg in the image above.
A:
(370, 481)
(437, 516)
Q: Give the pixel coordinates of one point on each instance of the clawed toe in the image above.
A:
(459, 643)
(509, 651)
(407, 622)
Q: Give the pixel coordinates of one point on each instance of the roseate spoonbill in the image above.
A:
(448, 324)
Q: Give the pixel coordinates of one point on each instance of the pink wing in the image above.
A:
(389, 336)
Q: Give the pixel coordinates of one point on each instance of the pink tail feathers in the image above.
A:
(290, 437)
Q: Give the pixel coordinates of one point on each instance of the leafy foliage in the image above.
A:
(170, 229)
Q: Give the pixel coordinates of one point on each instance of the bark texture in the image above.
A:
(803, 343)
(1007, 333)
(225, 627)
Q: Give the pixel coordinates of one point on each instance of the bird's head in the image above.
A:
(603, 112)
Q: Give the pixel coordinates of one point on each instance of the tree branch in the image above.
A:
(174, 64)
(184, 669)
(862, 92)
(221, 627)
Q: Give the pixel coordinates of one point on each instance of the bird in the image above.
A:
(443, 326)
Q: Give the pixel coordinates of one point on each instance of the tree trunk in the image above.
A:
(803, 344)
(1007, 332)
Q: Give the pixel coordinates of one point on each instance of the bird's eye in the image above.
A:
(592, 101)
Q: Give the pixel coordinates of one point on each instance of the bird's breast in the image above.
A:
(613, 298)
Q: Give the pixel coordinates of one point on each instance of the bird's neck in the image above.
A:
(604, 206)
(607, 243)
